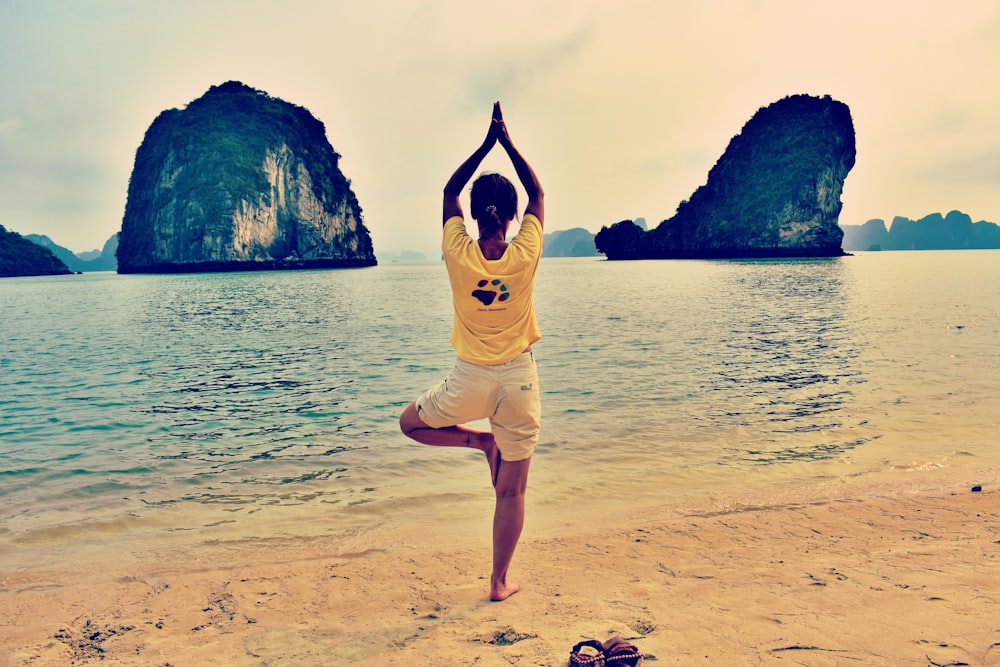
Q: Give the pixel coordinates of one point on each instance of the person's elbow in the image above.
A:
(536, 195)
(536, 192)
(536, 206)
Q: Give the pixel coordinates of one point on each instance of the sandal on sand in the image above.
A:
(616, 652)
(578, 657)
(619, 653)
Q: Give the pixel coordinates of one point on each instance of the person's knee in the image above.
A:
(512, 478)
(507, 492)
(409, 420)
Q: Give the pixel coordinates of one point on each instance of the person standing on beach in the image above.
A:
(494, 327)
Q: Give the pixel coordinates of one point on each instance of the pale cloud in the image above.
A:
(621, 107)
(9, 128)
(976, 170)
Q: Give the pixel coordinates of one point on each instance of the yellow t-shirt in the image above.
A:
(494, 309)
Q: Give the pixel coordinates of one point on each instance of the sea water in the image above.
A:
(187, 408)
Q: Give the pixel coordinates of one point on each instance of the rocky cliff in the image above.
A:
(239, 180)
(775, 192)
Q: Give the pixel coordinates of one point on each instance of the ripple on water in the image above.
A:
(222, 395)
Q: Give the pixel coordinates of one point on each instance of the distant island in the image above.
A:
(406, 256)
(775, 192)
(954, 231)
(95, 260)
(21, 257)
(576, 242)
(239, 180)
(933, 232)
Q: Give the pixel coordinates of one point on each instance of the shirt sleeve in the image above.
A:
(529, 238)
(455, 236)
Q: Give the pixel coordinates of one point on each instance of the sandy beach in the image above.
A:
(909, 579)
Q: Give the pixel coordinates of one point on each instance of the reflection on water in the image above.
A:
(787, 360)
(127, 395)
(703, 350)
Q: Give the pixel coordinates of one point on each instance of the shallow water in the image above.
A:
(256, 405)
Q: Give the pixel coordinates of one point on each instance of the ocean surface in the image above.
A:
(177, 409)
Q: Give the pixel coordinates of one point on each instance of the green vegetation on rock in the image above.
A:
(21, 257)
(239, 179)
(775, 191)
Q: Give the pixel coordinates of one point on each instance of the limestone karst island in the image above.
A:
(21, 257)
(239, 180)
(775, 192)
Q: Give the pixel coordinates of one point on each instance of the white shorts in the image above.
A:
(507, 394)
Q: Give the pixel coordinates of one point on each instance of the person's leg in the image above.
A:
(414, 427)
(508, 520)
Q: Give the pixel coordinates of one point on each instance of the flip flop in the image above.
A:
(579, 658)
(620, 653)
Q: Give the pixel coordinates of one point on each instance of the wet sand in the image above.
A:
(908, 579)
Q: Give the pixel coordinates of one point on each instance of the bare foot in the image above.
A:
(501, 592)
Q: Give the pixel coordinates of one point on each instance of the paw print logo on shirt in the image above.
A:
(491, 290)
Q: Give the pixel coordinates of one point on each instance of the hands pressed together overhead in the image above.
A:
(498, 129)
(496, 134)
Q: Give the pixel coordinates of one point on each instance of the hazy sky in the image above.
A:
(621, 107)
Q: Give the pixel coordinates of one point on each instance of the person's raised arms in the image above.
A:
(452, 205)
(536, 196)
